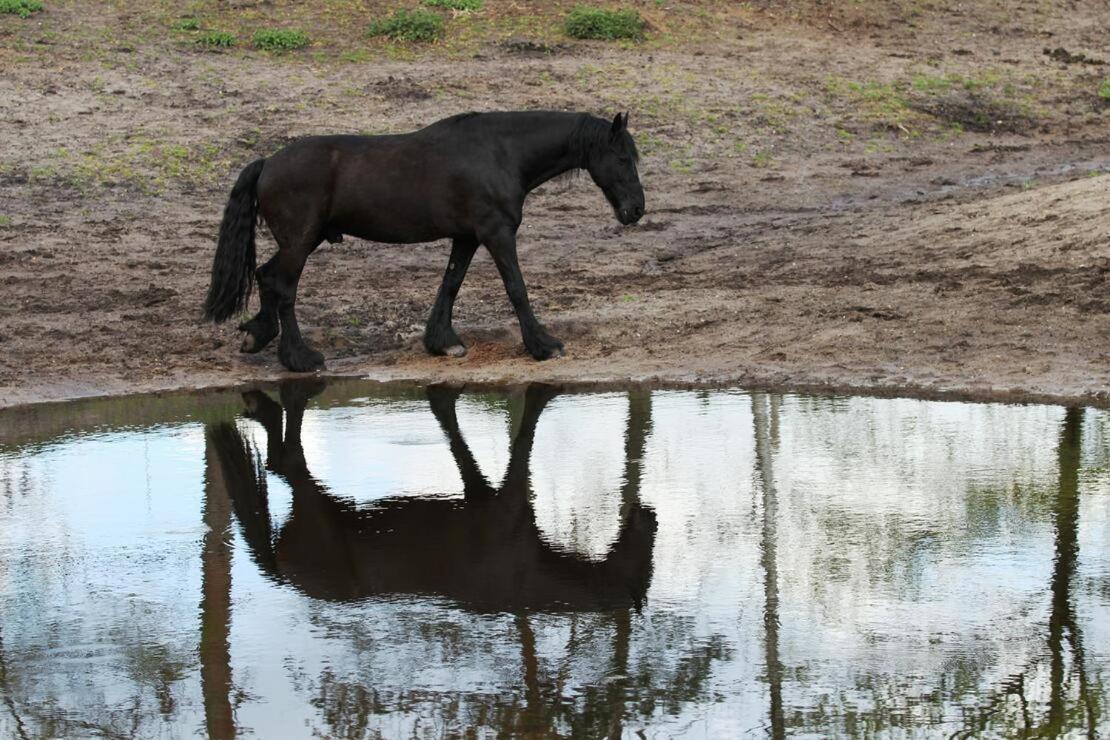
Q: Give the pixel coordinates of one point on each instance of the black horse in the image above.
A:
(464, 178)
(485, 553)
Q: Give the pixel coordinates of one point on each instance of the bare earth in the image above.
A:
(887, 197)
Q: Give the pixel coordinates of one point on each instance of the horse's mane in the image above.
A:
(589, 134)
(592, 133)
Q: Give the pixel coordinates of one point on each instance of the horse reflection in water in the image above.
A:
(486, 553)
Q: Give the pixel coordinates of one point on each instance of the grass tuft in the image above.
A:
(1104, 89)
(586, 22)
(409, 25)
(279, 39)
(187, 24)
(216, 39)
(455, 4)
(22, 8)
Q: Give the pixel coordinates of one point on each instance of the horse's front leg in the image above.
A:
(540, 344)
(439, 336)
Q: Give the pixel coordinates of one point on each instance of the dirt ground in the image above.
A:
(897, 197)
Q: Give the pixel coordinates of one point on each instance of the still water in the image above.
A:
(357, 560)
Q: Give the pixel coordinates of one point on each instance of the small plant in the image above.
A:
(409, 25)
(1104, 89)
(22, 8)
(762, 160)
(586, 22)
(5, 221)
(187, 24)
(279, 39)
(455, 4)
(216, 39)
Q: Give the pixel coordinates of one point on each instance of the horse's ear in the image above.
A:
(617, 127)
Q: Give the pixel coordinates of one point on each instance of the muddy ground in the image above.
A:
(897, 197)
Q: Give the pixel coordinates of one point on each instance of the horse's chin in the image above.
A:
(628, 220)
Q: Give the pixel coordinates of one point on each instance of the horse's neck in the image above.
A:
(546, 152)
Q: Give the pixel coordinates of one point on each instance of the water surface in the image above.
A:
(359, 560)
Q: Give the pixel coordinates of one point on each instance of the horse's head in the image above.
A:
(613, 168)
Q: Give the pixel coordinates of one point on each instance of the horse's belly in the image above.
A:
(396, 220)
(412, 233)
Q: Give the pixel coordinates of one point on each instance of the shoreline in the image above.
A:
(783, 380)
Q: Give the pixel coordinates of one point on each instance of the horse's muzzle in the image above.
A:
(631, 215)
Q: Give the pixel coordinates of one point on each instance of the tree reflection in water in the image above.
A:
(1072, 704)
(215, 604)
(765, 419)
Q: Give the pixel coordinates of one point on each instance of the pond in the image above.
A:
(350, 559)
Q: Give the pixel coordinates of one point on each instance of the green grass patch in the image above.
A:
(937, 84)
(187, 24)
(933, 83)
(147, 164)
(22, 8)
(455, 4)
(1104, 89)
(762, 160)
(409, 25)
(355, 55)
(279, 39)
(587, 22)
(876, 102)
(5, 221)
(683, 165)
(216, 39)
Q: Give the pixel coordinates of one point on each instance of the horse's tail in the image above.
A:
(233, 265)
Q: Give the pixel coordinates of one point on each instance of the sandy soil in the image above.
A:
(887, 197)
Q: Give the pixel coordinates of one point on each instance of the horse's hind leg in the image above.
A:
(263, 328)
(282, 280)
(439, 336)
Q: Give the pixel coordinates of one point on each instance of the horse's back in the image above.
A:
(447, 180)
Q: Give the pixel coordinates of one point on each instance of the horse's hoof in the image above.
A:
(548, 348)
(301, 359)
(258, 336)
(250, 345)
(443, 341)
